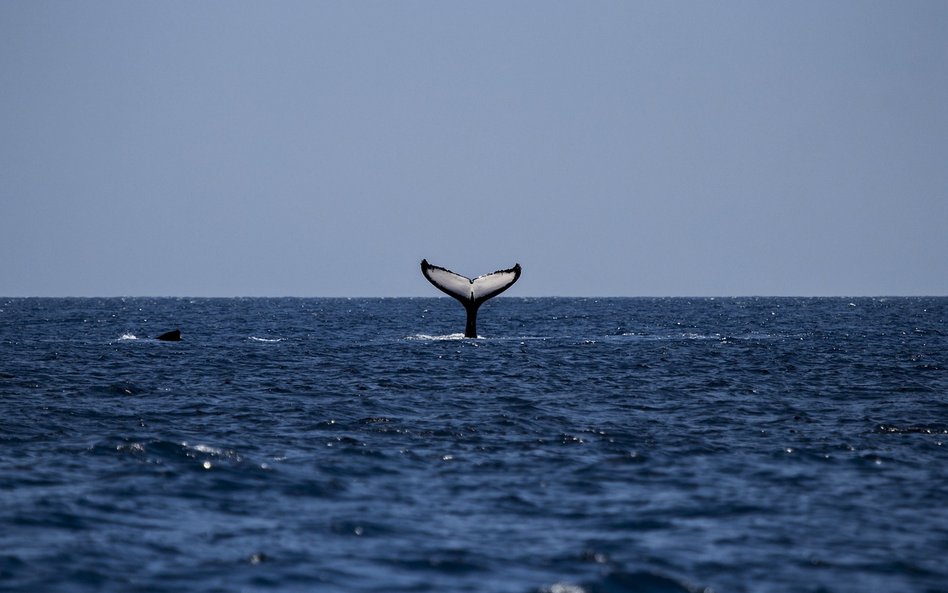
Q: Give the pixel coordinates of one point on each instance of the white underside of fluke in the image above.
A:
(464, 289)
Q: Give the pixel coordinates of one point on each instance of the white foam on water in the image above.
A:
(428, 338)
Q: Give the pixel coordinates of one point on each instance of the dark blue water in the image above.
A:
(616, 445)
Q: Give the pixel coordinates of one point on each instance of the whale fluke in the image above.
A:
(470, 293)
(172, 336)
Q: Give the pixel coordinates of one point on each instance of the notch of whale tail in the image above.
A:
(470, 293)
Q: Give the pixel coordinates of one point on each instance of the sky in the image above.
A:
(687, 148)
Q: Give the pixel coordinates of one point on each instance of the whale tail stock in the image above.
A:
(470, 293)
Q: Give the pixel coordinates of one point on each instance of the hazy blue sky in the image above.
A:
(612, 148)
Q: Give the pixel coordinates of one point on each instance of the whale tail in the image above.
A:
(471, 293)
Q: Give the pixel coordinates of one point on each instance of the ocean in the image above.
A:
(757, 445)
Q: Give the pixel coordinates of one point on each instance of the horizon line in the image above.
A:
(643, 296)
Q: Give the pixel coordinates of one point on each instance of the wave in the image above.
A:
(921, 429)
(266, 340)
(164, 452)
(629, 582)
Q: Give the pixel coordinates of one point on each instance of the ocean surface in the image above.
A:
(756, 445)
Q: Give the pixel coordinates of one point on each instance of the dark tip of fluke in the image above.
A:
(172, 336)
